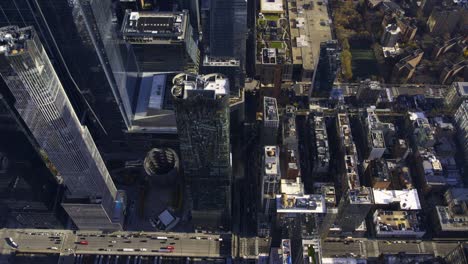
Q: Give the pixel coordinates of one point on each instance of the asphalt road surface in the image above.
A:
(66, 242)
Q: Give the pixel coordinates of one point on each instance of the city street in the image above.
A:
(65, 242)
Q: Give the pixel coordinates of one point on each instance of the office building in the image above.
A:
(228, 29)
(288, 44)
(353, 208)
(398, 224)
(406, 199)
(408, 28)
(65, 30)
(404, 69)
(270, 187)
(390, 35)
(461, 123)
(201, 105)
(378, 172)
(375, 124)
(271, 178)
(356, 200)
(300, 204)
(162, 41)
(368, 93)
(457, 94)
(45, 109)
(326, 221)
(443, 46)
(444, 20)
(28, 188)
(459, 255)
(270, 121)
(452, 219)
(423, 132)
(229, 67)
(328, 65)
(320, 148)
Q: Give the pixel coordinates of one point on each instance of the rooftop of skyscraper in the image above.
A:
(313, 203)
(407, 199)
(210, 85)
(271, 160)
(12, 39)
(270, 108)
(154, 27)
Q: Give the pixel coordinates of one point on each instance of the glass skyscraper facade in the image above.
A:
(41, 102)
(202, 113)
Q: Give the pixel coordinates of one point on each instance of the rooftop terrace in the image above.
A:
(407, 199)
(398, 223)
(313, 203)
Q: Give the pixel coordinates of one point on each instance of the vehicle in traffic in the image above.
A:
(127, 249)
(163, 250)
(53, 248)
(11, 242)
(161, 238)
(113, 241)
(83, 242)
(143, 249)
(170, 247)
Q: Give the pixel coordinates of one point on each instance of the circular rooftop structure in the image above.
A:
(161, 161)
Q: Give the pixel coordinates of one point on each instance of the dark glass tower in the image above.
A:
(65, 145)
(80, 38)
(202, 114)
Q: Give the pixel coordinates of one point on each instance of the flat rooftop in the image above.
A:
(377, 139)
(270, 109)
(397, 222)
(462, 88)
(450, 221)
(149, 26)
(407, 199)
(293, 187)
(210, 85)
(310, 26)
(313, 203)
(321, 141)
(327, 189)
(272, 160)
(361, 195)
(271, 6)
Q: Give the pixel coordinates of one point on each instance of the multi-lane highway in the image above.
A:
(66, 242)
(195, 245)
(374, 248)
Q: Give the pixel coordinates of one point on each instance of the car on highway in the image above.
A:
(11, 242)
(170, 247)
(83, 242)
(53, 248)
(113, 241)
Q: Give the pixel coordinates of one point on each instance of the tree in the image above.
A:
(346, 63)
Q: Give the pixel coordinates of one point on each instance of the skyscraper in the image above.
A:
(44, 107)
(228, 29)
(202, 114)
(162, 41)
(100, 82)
